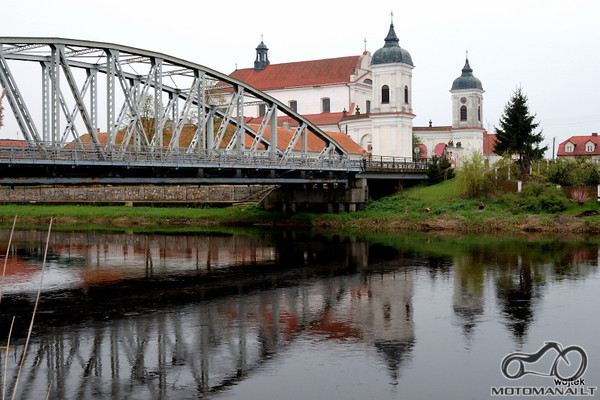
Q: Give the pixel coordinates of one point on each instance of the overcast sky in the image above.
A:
(550, 48)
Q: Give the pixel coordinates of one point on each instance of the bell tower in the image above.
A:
(467, 100)
(262, 56)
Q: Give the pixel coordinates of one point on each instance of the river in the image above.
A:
(264, 314)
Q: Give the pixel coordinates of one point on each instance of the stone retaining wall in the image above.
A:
(168, 194)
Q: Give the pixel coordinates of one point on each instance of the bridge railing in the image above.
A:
(133, 155)
(388, 163)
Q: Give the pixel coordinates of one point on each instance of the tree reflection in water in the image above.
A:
(164, 316)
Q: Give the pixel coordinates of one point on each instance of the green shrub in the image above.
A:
(574, 173)
(536, 198)
(473, 178)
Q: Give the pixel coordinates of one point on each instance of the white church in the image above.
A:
(369, 97)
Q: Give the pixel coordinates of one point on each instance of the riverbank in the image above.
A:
(439, 208)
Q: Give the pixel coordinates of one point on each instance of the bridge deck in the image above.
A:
(72, 166)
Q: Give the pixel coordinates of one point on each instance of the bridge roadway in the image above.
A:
(28, 166)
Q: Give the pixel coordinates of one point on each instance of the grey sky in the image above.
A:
(550, 48)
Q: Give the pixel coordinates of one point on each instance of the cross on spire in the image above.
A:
(365, 44)
(392, 14)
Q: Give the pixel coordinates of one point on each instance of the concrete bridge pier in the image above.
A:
(330, 198)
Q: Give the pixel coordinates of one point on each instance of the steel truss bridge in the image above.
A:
(144, 101)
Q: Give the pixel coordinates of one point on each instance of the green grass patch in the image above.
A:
(94, 217)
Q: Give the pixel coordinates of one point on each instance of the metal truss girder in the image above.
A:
(55, 94)
(93, 78)
(111, 128)
(298, 133)
(78, 96)
(133, 101)
(82, 52)
(226, 118)
(45, 102)
(182, 117)
(17, 103)
(158, 90)
(237, 140)
(199, 138)
(86, 85)
(327, 150)
(108, 58)
(157, 140)
(263, 125)
(18, 49)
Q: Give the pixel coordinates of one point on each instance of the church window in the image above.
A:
(368, 107)
(368, 81)
(326, 105)
(463, 113)
(294, 105)
(385, 94)
(406, 94)
(478, 113)
(261, 110)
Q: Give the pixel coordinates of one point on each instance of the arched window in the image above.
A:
(368, 107)
(406, 94)
(479, 113)
(325, 104)
(385, 94)
(463, 113)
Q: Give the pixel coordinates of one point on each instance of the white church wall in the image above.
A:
(396, 77)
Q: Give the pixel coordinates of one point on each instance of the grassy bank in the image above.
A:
(441, 207)
(444, 207)
(121, 217)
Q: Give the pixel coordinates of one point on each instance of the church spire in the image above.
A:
(391, 39)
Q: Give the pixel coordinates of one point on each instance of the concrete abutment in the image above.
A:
(325, 198)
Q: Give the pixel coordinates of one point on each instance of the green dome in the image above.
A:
(391, 52)
(466, 80)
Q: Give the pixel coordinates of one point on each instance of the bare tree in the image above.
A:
(2, 108)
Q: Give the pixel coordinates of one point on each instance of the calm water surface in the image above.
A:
(292, 315)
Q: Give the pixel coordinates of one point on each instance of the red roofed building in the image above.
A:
(320, 90)
(580, 147)
(369, 98)
(284, 135)
(13, 143)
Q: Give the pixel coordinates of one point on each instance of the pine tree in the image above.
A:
(516, 133)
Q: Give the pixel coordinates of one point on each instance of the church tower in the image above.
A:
(467, 100)
(262, 58)
(392, 114)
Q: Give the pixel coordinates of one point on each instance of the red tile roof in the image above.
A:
(13, 143)
(317, 119)
(489, 140)
(314, 144)
(431, 128)
(579, 142)
(299, 74)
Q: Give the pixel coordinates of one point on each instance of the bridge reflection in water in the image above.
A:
(187, 316)
(173, 330)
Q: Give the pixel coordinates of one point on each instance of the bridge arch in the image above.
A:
(87, 86)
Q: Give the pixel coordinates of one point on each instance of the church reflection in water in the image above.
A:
(162, 316)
